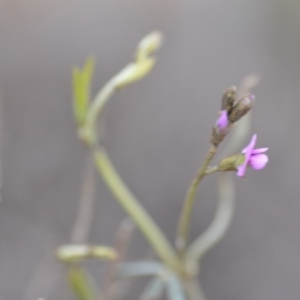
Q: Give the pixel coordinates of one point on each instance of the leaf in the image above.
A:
(154, 289)
(140, 269)
(81, 90)
(73, 253)
(174, 288)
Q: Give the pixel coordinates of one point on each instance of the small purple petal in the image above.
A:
(260, 150)
(251, 145)
(222, 122)
(248, 152)
(253, 157)
(241, 170)
(251, 98)
(258, 161)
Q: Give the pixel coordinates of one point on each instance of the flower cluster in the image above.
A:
(233, 110)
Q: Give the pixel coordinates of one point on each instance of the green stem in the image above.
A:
(186, 212)
(95, 109)
(81, 284)
(131, 205)
(211, 170)
(220, 224)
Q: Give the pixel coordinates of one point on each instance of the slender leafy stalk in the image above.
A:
(132, 72)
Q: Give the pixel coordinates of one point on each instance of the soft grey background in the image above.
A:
(157, 133)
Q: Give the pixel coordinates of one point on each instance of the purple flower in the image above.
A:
(253, 157)
(222, 121)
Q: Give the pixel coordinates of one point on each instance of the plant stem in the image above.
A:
(81, 284)
(131, 205)
(186, 212)
(95, 109)
(220, 224)
(114, 182)
(194, 290)
(211, 170)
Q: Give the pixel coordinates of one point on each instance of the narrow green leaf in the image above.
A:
(74, 253)
(174, 288)
(147, 268)
(81, 90)
(88, 69)
(78, 100)
(154, 289)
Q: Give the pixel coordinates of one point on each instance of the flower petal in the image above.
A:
(251, 145)
(258, 161)
(241, 170)
(248, 152)
(222, 122)
(259, 150)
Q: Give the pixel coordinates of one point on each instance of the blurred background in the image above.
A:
(157, 132)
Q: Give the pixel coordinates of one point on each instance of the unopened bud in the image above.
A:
(149, 44)
(220, 129)
(228, 99)
(231, 163)
(241, 108)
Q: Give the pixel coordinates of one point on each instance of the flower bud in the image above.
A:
(231, 163)
(241, 108)
(149, 44)
(222, 122)
(228, 99)
(220, 129)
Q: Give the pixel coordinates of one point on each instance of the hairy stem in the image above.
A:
(186, 212)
